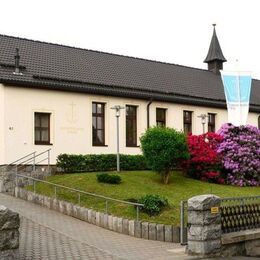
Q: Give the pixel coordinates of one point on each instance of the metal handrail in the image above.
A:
(17, 160)
(84, 192)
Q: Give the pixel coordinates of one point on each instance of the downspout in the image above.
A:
(148, 112)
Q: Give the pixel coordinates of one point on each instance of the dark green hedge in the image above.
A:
(99, 162)
(109, 178)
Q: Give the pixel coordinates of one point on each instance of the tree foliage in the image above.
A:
(164, 148)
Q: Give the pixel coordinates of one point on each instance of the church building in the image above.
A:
(60, 98)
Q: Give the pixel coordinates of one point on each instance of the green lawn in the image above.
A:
(136, 184)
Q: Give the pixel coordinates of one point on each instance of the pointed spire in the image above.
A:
(215, 57)
(215, 52)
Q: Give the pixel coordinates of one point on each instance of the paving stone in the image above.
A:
(47, 235)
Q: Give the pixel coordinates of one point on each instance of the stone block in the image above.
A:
(97, 218)
(204, 248)
(69, 209)
(131, 226)
(55, 204)
(138, 229)
(110, 222)
(9, 239)
(11, 254)
(203, 202)
(152, 231)
(93, 217)
(62, 207)
(78, 208)
(23, 194)
(115, 221)
(203, 217)
(202, 233)
(89, 215)
(145, 230)
(101, 219)
(168, 234)
(16, 191)
(82, 213)
(120, 225)
(125, 226)
(47, 202)
(105, 221)
(160, 232)
(75, 211)
(252, 248)
(236, 249)
(30, 196)
(8, 219)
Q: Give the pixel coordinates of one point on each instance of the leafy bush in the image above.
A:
(109, 178)
(99, 162)
(240, 150)
(163, 149)
(153, 204)
(204, 162)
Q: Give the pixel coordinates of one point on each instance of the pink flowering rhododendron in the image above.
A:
(231, 156)
(240, 152)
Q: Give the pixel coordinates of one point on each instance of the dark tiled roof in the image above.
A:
(46, 65)
(215, 52)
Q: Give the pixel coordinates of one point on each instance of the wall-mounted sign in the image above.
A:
(214, 210)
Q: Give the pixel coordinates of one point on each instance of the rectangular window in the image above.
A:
(131, 126)
(98, 124)
(187, 122)
(211, 122)
(161, 117)
(42, 128)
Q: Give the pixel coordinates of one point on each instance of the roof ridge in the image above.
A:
(103, 52)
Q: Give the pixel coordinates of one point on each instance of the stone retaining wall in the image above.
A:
(9, 234)
(146, 230)
(205, 238)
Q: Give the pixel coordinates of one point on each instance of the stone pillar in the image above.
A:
(9, 234)
(204, 226)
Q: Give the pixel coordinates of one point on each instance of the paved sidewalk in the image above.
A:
(47, 234)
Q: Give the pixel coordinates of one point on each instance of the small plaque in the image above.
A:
(214, 210)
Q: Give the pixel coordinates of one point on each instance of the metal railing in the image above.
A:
(29, 159)
(183, 222)
(79, 193)
(240, 213)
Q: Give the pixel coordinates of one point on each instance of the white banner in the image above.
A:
(237, 86)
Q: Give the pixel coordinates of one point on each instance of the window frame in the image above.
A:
(212, 124)
(158, 120)
(187, 122)
(41, 128)
(133, 121)
(103, 129)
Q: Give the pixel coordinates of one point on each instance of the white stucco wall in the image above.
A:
(2, 146)
(71, 121)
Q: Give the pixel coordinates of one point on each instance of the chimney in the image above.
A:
(16, 63)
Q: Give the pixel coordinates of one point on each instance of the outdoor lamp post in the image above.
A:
(203, 121)
(117, 109)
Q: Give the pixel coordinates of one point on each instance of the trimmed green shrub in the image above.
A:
(109, 178)
(153, 204)
(99, 162)
(164, 149)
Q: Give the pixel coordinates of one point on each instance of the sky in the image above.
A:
(174, 31)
